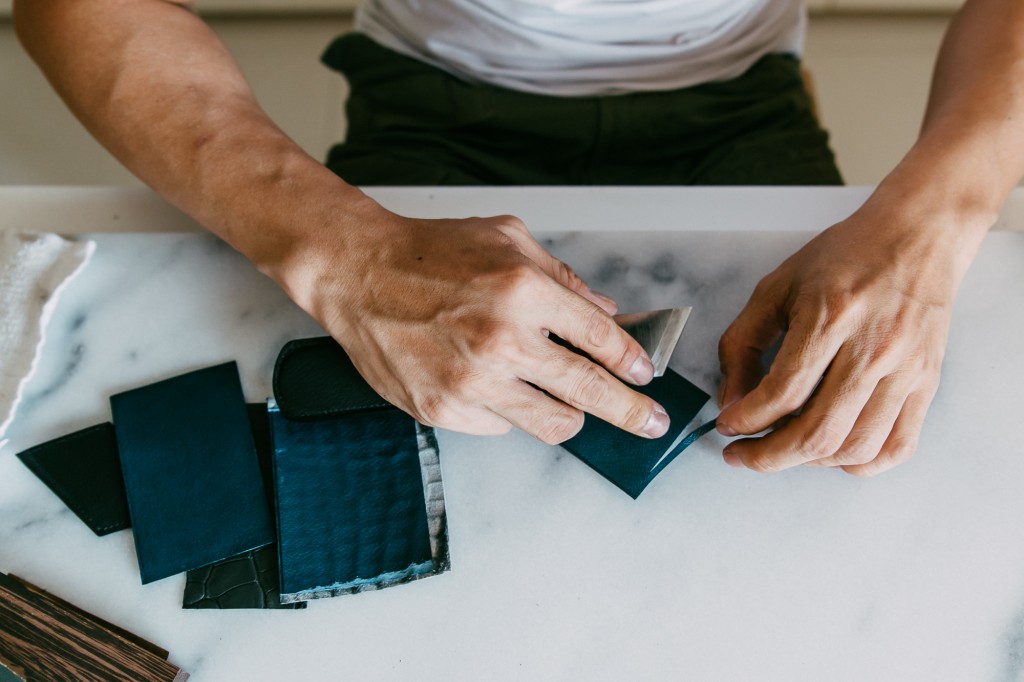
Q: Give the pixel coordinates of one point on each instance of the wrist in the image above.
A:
(298, 220)
(938, 183)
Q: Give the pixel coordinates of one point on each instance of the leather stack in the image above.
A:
(342, 489)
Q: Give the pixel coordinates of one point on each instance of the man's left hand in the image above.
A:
(864, 311)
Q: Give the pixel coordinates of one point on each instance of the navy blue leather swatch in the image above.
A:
(84, 470)
(190, 471)
(351, 511)
(249, 580)
(632, 462)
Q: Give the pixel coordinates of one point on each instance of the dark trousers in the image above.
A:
(410, 123)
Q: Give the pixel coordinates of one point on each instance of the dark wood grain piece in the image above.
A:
(44, 638)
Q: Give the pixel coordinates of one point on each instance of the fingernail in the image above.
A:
(726, 430)
(657, 423)
(731, 459)
(721, 394)
(642, 371)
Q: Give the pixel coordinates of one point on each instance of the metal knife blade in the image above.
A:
(657, 331)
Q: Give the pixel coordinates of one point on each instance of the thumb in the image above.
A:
(741, 349)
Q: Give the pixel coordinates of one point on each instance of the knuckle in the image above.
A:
(902, 448)
(763, 463)
(512, 222)
(435, 410)
(823, 440)
(636, 415)
(765, 288)
(489, 341)
(784, 391)
(730, 342)
(559, 426)
(521, 282)
(856, 450)
(588, 387)
(598, 328)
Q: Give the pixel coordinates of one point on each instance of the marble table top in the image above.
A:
(712, 574)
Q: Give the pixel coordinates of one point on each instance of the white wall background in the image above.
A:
(871, 71)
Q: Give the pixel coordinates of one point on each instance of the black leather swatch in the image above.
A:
(351, 510)
(84, 470)
(190, 471)
(314, 378)
(246, 581)
(628, 461)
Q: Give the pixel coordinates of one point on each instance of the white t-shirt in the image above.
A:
(587, 47)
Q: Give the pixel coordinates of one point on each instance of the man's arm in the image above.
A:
(446, 319)
(865, 307)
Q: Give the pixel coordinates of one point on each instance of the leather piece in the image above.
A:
(84, 470)
(630, 461)
(351, 504)
(190, 471)
(259, 423)
(249, 580)
(314, 378)
(245, 581)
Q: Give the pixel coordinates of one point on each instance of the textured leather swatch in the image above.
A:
(190, 471)
(245, 581)
(355, 504)
(628, 461)
(315, 378)
(84, 470)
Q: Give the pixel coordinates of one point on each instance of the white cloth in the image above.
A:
(33, 271)
(587, 47)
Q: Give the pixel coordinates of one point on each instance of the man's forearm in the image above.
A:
(159, 90)
(970, 152)
(431, 312)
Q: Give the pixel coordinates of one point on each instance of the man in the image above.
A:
(448, 319)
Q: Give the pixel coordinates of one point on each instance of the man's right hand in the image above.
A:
(446, 319)
(449, 320)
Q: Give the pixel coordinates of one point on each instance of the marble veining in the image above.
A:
(712, 574)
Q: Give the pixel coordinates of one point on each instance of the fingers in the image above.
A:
(873, 425)
(806, 353)
(595, 332)
(823, 427)
(901, 442)
(758, 326)
(539, 415)
(464, 417)
(587, 387)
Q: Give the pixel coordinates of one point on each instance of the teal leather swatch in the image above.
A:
(191, 475)
(632, 462)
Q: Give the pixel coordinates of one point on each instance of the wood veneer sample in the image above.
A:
(43, 637)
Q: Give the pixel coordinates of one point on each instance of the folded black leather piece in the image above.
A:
(353, 503)
(314, 378)
(84, 470)
(190, 471)
(632, 462)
